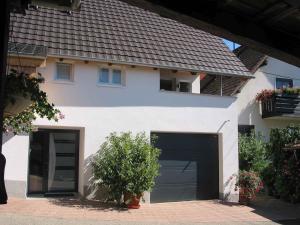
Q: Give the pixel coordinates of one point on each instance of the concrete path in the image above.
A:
(13, 219)
(265, 211)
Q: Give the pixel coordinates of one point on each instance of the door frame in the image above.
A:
(45, 179)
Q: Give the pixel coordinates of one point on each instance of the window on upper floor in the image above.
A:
(168, 84)
(245, 129)
(175, 85)
(184, 86)
(111, 76)
(284, 83)
(64, 72)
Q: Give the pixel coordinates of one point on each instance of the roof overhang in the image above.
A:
(149, 65)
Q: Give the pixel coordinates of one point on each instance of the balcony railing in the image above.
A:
(282, 106)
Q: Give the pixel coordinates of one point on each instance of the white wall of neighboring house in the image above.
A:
(138, 106)
(249, 112)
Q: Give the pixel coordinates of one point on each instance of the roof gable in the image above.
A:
(252, 59)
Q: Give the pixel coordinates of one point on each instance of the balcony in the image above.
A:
(281, 106)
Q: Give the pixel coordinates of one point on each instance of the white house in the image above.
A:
(113, 67)
(269, 74)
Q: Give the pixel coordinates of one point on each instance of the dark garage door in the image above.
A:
(189, 167)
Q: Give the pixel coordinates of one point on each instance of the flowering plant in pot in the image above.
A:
(126, 165)
(264, 95)
(248, 183)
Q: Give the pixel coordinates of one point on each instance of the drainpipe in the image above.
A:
(4, 31)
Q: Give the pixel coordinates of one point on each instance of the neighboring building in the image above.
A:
(113, 67)
(269, 74)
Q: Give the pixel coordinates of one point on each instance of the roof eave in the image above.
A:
(248, 75)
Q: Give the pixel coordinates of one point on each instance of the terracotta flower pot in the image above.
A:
(132, 201)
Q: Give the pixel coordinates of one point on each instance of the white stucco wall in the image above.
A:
(139, 106)
(265, 78)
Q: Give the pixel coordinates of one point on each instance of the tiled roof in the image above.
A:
(114, 31)
(252, 59)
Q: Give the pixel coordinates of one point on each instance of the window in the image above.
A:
(283, 83)
(174, 85)
(110, 76)
(245, 129)
(64, 71)
(166, 85)
(184, 86)
(104, 76)
(116, 77)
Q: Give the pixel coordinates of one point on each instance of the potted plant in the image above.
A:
(264, 95)
(248, 183)
(126, 165)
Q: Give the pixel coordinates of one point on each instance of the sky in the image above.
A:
(230, 44)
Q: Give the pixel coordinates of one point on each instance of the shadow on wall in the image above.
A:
(92, 192)
(250, 114)
(229, 187)
(7, 136)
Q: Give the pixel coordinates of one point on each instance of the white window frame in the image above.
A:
(57, 79)
(110, 76)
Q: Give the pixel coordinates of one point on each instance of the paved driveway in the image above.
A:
(75, 212)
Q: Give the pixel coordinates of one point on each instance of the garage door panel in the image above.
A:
(183, 192)
(189, 167)
(175, 172)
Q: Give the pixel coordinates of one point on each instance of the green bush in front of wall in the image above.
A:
(282, 176)
(253, 153)
(126, 163)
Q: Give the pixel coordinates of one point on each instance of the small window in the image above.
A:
(245, 129)
(184, 86)
(111, 76)
(117, 77)
(166, 85)
(104, 76)
(283, 83)
(64, 71)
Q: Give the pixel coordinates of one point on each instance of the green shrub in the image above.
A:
(252, 153)
(283, 174)
(126, 163)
